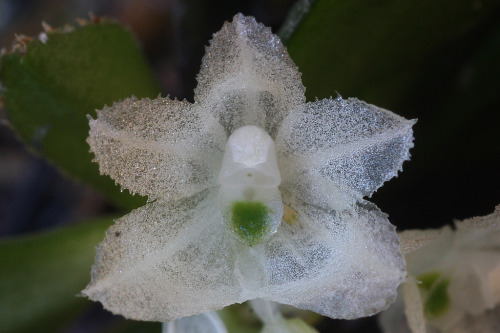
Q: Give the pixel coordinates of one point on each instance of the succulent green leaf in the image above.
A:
(42, 275)
(51, 86)
(376, 50)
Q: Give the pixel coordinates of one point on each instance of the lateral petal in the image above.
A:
(341, 264)
(160, 148)
(166, 260)
(354, 145)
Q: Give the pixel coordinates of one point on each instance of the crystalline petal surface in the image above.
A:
(159, 262)
(248, 78)
(342, 264)
(159, 148)
(166, 260)
(334, 151)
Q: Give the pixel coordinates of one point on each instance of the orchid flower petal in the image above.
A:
(160, 148)
(486, 322)
(248, 78)
(159, 263)
(458, 278)
(342, 264)
(413, 307)
(412, 240)
(355, 145)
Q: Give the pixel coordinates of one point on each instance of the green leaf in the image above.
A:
(42, 275)
(376, 49)
(49, 90)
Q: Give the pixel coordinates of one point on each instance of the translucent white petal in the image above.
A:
(424, 259)
(158, 148)
(342, 264)
(414, 310)
(393, 320)
(412, 240)
(477, 264)
(166, 260)
(267, 311)
(487, 322)
(354, 145)
(208, 322)
(248, 78)
(489, 223)
(469, 258)
(172, 259)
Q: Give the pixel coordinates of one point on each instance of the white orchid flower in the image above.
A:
(254, 193)
(454, 283)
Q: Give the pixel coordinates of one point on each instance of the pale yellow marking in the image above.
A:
(289, 215)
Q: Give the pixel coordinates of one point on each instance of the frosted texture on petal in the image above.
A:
(425, 260)
(208, 322)
(342, 264)
(248, 78)
(166, 260)
(158, 147)
(489, 223)
(354, 145)
(172, 259)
